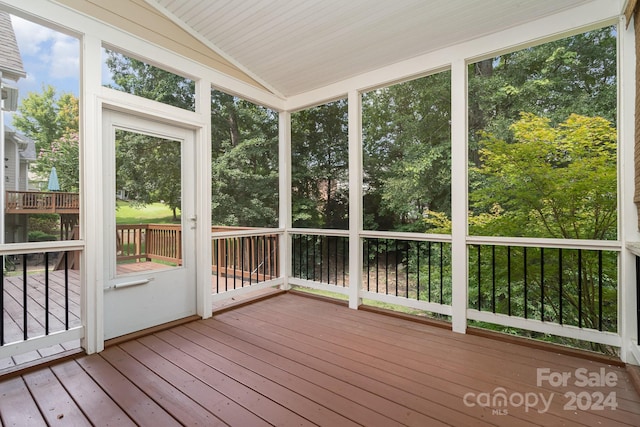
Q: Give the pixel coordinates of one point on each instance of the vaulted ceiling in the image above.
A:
(293, 46)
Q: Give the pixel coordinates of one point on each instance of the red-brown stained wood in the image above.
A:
(95, 403)
(17, 407)
(138, 406)
(171, 399)
(55, 404)
(290, 360)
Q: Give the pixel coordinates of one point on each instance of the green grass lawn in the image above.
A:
(155, 213)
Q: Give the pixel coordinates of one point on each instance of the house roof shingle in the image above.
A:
(10, 60)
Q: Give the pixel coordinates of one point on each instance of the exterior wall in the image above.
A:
(10, 172)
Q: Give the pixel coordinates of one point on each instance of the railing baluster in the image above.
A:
(509, 280)
(638, 299)
(66, 290)
(542, 284)
(493, 278)
(406, 269)
(560, 286)
(250, 254)
(235, 260)
(600, 292)
(344, 261)
(524, 278)
(46, 293)
(441, 270)
(579, 288)
(368, 264)
(24, 296)
(338, 240)
(417, 270)
(377, 263)
(429, 269)
(395, 257)
(479, 278)
(386, 266)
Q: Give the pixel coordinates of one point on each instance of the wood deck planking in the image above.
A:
(260, 404)
(368, 403)
(95, 403)
(56, 406)
(141, 408)
(205, 394)
(245, 368)
(17, 407)
(298, 361)
(423, 397)
(465, 375)
(153, 385)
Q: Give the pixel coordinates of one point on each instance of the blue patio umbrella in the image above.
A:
(53, 185)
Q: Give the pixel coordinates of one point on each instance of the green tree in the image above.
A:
(63, 154)
(551, 181)
(46, 117)
(149, 169)
(319, 166)
(407, 153)
(556, 181)
(244, 163)
(574, 75)
(139, 78)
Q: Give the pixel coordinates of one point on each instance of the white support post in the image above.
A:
(284, 176)
(628, 217)
(2, 175)
(459, 189)
(203, 200)
(355, 198)
(92, 207)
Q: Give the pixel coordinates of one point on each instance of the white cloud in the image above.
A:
(47, 55)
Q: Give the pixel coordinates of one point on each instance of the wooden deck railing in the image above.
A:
(244, 258)
(28, 202)
(149, 242)
(250, 258)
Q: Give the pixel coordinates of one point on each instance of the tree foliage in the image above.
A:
(148, 81)
(244, 163)
(46, 117)
(551, 181)
(319, 166)
(148, 169)
(407, 153)
(63, 154)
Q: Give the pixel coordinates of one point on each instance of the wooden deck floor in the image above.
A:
(291, 360)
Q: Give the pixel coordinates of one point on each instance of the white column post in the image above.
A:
(459, 189)
(628, 216)
(203, 200)
(2, 175)
(92, 206)
(355, 198)
(284, 176)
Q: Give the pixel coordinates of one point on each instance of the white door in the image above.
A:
(150, 271)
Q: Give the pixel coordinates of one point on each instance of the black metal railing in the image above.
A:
(638, 299)
(244, 260)
(35, 296)
(576, 287)
(419, 270)
(323, 259)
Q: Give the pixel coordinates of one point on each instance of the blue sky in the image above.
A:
(49, 58)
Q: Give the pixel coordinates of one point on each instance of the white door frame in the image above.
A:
(137, 301)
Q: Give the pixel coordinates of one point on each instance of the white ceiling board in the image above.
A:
(294, 46)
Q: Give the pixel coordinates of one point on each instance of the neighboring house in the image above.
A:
(17, 150)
